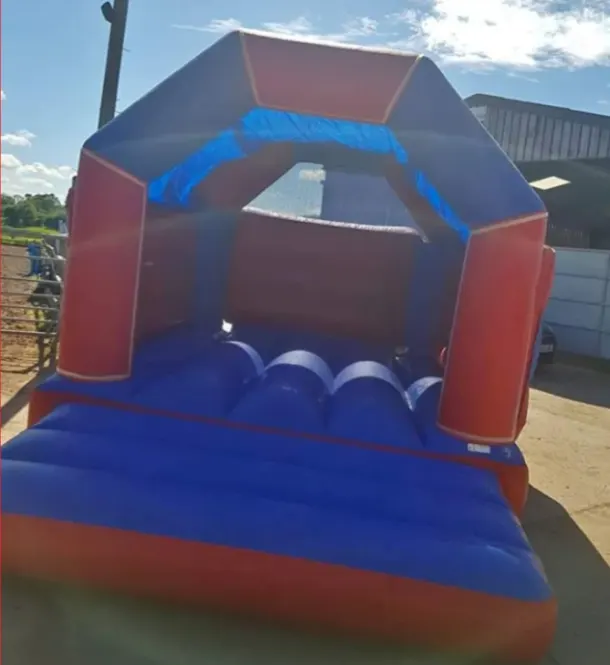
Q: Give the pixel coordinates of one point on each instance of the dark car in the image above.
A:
(548, 346)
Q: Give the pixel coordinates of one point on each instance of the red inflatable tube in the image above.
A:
(491, 341)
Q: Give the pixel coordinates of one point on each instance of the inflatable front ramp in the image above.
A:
(356, 539)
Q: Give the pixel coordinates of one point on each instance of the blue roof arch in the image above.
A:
(209, 114)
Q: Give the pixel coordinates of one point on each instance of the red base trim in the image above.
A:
(290, 590)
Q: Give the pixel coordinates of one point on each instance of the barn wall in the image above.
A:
(579, 307)
(530, 136)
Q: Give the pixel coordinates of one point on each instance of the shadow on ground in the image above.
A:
(19, 400)
(578, 384)
(44, 623)
(579, 576)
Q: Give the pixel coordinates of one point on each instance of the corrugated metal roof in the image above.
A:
(593, 119)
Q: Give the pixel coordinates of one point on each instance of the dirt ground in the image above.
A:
(567, 444)
(19, 352)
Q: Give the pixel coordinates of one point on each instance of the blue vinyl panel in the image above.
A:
(456, 156)
(258, 128)
(416, 518)
(178, 116)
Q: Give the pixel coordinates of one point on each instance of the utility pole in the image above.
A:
(116, 14)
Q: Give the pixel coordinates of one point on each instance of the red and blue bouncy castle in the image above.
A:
(313, 462)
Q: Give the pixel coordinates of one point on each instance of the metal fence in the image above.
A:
(58, 242)
(30, 304)
(579, 307)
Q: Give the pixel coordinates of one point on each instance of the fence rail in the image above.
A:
(57, 241)
(29, 307)
(18, 293)
(25, 333)
(29, 280)
(43, 324)
(58, 260)
(19, 319)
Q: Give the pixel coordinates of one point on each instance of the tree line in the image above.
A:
(32, 210)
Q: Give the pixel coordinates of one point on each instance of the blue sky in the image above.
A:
(53, 53)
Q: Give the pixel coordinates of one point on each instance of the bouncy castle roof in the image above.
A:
(229, 123)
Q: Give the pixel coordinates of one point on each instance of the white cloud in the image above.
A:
(314, 175)
(300, 27)
(37, 185)
(22, 138)
(55, 172)
(297, 27)
(523, 77)
(525, 34)
(217, 26)
(2, 95)
(520, 33)
(353, 31)
(19, 177)
(10, 161)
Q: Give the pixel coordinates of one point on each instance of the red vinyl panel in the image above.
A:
(543, 292)
(293, 591)
(490, 347)
(99, 303)
(325, 278)
(320, 80)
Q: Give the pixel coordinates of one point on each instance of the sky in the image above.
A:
(53, 54)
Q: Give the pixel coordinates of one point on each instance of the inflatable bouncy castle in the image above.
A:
(308, 421)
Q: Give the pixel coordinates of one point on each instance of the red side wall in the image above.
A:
(336, 280)
(543, 292)
(167, 280)
(491, 341)
(99, 305)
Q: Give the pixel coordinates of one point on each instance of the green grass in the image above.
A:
(23, 240)
(16, 242)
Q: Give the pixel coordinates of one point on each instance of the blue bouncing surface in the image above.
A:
(299, 383)
(280, 451)
(368, 509)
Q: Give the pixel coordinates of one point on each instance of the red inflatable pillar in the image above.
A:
(543, 292)
(99, 304)
(491, 339)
